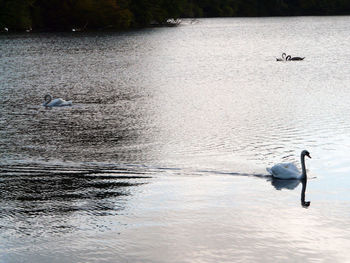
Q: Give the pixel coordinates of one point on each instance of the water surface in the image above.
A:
(162, 156)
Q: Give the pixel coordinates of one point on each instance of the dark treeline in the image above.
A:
(122, 14)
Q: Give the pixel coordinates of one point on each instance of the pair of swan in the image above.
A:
(289, 58)
(49, 102)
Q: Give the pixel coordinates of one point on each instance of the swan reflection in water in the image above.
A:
(291, 184)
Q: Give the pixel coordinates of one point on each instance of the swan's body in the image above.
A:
(49, 102)
(283, 58)
(290, 58)
(285, 171)
(289, 170)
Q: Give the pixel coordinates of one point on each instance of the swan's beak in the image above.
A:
(308, 155)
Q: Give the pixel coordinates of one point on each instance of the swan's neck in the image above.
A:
(303, 168)
(48, 99)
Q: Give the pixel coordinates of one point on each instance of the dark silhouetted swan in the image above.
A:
(290, 58)
(56, 102)
(289, 170)
(283, 58)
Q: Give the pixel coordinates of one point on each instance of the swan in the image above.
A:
(283, 57)
(56, 102)
(289, 170)
(290, 58)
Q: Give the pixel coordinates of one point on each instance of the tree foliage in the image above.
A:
(121, 14)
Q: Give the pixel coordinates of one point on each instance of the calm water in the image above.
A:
(162, 156)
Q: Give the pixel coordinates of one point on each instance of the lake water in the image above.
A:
(162, 156)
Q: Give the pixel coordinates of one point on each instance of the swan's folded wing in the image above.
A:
(59, 103)
(55, 103)
(67, 103)
(292, 167)
(285, 171)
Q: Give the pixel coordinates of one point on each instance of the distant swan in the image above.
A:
(289, 170)
(283, 57)
(56, 102)
(290, 58)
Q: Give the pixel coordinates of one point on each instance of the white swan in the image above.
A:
(289, 170)
(283, 57)
(56, 102)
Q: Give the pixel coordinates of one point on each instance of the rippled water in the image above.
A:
(162, 156)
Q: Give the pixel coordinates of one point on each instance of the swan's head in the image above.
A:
(305, 153)
(47, 98)
(306, 204)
